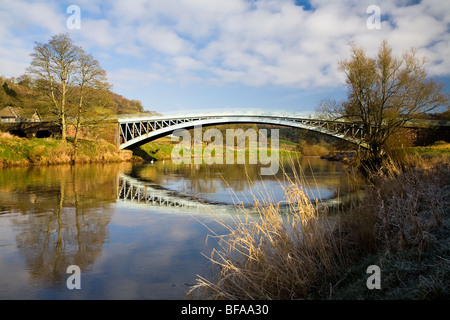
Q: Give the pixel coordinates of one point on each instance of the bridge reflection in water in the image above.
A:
(130, 189)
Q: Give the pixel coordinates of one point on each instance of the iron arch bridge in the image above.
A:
(138, 131)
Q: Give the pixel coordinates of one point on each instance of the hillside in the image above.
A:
(19, 93)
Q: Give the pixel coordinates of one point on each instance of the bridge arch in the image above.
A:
(136, 132)
(18, 133)
(43, 134)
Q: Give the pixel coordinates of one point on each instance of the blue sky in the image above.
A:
(214, 55)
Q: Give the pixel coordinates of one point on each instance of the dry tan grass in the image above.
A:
(271, 254)
(7, 135)
(409, 202)
(302, 254)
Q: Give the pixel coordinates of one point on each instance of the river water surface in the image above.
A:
(136, 231)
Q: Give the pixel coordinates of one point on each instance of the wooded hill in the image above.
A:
(20, 93)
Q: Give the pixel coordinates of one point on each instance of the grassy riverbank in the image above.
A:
(16, 151)
(436, 149)
(402, 225)
(161, 149)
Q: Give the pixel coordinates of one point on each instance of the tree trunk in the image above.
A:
(78, 125)
(63, 127)
(63, 112)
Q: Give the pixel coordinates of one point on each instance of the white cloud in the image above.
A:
(98, 33)
(250, 42)
(187, 63)
(24, 16)
(162, 39)
(18, 20)
(132, 77)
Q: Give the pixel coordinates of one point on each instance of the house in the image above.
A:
(9, 114)
(13, 114)
(36, 117)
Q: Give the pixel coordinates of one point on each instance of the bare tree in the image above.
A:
(384, 93)
(53, 67)
(90, 77)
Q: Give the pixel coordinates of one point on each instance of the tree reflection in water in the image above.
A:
(62, 221)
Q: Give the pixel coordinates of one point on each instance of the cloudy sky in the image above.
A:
(182, 55)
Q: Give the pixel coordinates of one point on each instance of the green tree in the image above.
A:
(384, 93)
(10, 92)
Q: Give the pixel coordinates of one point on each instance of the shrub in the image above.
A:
(36, 154)
(313, 149)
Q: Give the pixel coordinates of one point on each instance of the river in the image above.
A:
(136, 231)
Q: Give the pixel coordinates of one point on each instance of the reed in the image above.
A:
(297, 251)
(277, 251)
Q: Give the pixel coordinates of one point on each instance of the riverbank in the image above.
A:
(439, 148)
(161, 149)
(401, 225)
(15, 151)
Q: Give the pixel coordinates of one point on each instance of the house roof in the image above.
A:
(9, 112)
(15, 112)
